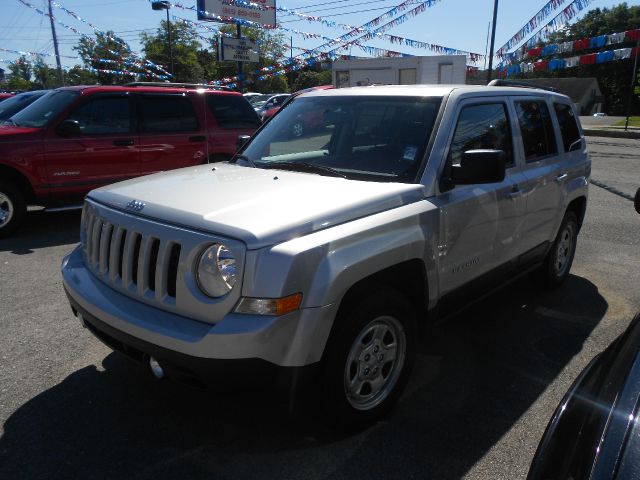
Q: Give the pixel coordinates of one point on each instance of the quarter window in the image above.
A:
(232, 111)
(568, 125)
(538, 138)
(483, 126)
(167, 114)
(105, 115)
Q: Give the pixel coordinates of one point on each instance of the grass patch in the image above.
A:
(633, 122)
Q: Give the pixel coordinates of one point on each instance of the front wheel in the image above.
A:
(558, 261)
(12, 208)
(369, 358)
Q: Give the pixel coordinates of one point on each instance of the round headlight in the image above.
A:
(216, 270)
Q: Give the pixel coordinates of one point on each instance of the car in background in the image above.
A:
(595, 431)
(74, 139)
(13, 105)
(274, 101)
(307, 121)
(5, 95)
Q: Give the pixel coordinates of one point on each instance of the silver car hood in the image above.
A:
(257, 206)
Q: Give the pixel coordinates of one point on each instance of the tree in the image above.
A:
(80, 76)
(107, 52)
(18, 83)
(311, 79)
(21, 68)
(271, 49)
(185, 51)
(44, 75)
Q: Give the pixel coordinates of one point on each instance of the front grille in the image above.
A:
(136, 261)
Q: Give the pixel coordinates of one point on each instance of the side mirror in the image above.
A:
(636, 201)
(242, 139)
(69, 128)
(479, 166)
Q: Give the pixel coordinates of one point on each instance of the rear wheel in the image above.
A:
(368, 359)
(557, 264)
(12, 208)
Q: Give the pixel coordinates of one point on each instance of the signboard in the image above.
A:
(239, 50)
(238, 9)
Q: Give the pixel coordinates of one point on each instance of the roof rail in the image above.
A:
(513, 83)
(178, 85)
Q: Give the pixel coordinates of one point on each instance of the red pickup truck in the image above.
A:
(78, 138)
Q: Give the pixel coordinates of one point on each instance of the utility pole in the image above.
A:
(166, 5)
(55, 47)
(170, 42)
(631, 87)
(493, 39)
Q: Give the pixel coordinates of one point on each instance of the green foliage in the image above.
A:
(106, 46)
(18, 83)
(184, 49)
(21, 68)
(311, 79)
(44, 75)
(601, 22)
(80, 76)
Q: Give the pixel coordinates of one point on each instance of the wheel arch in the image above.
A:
(18, 179)
(579, 207)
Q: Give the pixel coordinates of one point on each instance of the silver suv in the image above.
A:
(319, 256)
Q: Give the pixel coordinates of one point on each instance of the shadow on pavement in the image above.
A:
(43, 229)
(476, 375)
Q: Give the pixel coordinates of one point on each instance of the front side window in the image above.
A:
(568, 124)
(360, 137)
(44, 110)
(536, 128)
(232, 111)
(103, 115)
(167, 113)
(481, 127)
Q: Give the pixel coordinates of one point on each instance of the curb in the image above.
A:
(611, 133)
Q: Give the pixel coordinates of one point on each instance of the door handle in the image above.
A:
(561, 178)
(197, 138)
(125, 142)
(515, 192)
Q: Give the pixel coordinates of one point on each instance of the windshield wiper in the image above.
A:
(244, 158)
(8, 121)
(307, 168)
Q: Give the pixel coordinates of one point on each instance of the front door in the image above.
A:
(104, 151)
(479, 224)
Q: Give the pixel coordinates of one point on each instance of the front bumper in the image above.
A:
(293, 340)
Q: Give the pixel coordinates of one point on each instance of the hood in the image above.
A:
(259, 207)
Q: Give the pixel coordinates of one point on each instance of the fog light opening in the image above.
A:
(156, 368)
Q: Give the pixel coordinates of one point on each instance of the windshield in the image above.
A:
(360, 137)
(13, 105)
(45, 109)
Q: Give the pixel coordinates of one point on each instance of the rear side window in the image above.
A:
(232, 111)
(103, 116)
(538, 138)
(167, 113)
(568, 124)
(483, 126)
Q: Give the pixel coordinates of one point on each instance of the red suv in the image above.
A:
(78, 138)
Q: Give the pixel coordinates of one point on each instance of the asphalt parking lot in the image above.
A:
(484, 387)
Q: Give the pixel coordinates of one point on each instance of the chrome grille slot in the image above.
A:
(115, 254)
(172, 270)
(136, 258)
(96, 231)
(153, 262)
(105, 243)
(127, 257)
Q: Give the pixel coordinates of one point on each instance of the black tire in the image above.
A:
(12, 208)
(636, 201)
(366, 330)
(558, 261)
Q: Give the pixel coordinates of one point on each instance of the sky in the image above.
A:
(457, 24)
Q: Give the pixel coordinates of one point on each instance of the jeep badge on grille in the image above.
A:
(135, 206)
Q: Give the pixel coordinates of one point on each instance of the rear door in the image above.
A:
(232, 116)
(171, 134)
(543, 169)
(105, 151)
